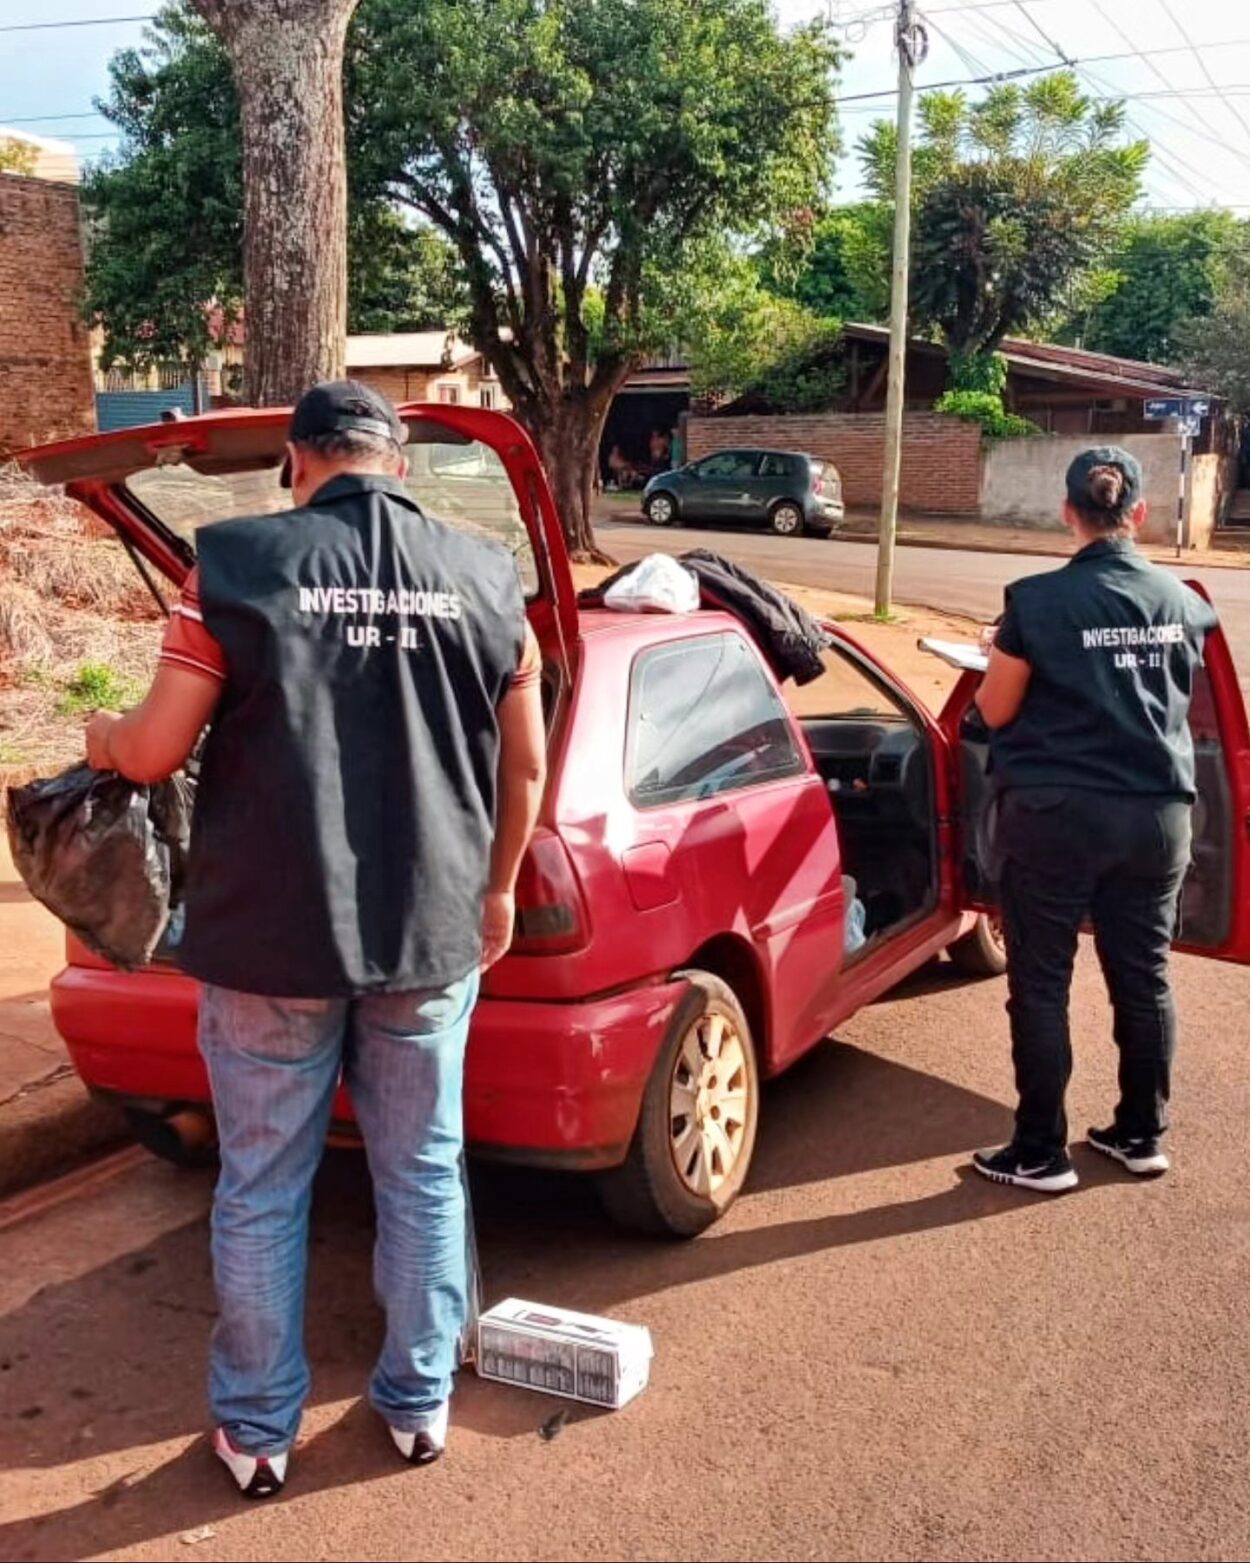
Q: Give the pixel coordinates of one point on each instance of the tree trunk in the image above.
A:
(568, 443)
(288, 65)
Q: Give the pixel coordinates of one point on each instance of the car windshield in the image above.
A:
(464, 485)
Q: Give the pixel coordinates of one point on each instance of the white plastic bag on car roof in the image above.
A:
(657, 585)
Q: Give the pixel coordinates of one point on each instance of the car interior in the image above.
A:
(877, 763)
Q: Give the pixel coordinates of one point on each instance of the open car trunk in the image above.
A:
(471, 468)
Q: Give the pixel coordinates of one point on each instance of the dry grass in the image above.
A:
(69, 597)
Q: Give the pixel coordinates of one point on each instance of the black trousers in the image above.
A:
(1068, 855)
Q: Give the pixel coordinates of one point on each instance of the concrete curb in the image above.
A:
(52, 1126)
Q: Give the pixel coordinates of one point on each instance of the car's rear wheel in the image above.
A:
(661, 509)
(786, 519)
(696, 1134)
(982, 952)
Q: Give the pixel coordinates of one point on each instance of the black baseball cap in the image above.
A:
(336, 406)
(1105, 456)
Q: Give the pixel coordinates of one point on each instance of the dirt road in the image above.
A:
(874, 1356)
(952, 581)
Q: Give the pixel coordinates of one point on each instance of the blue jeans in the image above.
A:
(274, 1065)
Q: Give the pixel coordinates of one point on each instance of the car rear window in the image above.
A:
(704, 719)
(781, 466)
(464, 486)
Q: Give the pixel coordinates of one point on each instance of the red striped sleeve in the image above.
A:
(188, 643)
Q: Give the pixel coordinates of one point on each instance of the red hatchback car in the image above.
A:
(681, 916)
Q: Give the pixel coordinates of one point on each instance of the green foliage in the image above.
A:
(165, 266)
(1017, 200)
(986, 408)
(403, 276)
(1162, 270)
(746, 341)
(984, 372)
(840, 269)
(17, 157)
(98, 687)
(166, 210)
(1213, 347)
(578, 153)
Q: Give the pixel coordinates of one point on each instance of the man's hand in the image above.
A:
(498, 918)
(99, 731)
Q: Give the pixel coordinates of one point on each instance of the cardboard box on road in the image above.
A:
(577, 1355)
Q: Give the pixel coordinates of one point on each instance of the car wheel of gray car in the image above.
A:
(661, 510)
(787, 520)
(696, 1133)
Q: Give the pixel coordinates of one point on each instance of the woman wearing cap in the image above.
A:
(1087, 694)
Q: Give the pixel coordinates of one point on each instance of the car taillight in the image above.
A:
(818, 481)
(550, 912)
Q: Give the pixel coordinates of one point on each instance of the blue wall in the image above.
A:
(125, 409)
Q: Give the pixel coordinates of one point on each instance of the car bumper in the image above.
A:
(549, 1084)
(823, 517)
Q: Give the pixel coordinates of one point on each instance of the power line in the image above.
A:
(86, 21)
(1205, 68)
(1037, 28)
(47, 119)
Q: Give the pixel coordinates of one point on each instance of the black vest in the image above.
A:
(1114, 643)
(343, 828)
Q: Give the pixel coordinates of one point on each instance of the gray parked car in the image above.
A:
(784, 490)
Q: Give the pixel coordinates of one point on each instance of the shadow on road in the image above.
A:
(116, 1359)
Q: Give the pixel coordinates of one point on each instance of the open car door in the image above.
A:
(1215, 905)
(475, 469)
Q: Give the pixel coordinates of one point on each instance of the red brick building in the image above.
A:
(46, 389)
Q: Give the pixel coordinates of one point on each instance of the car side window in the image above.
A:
(704, 719)
(727, 465)
(778, 467)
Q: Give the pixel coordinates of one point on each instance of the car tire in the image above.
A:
(660, 509)
(185, 1139)
(982, 952)
(681, 1174)
(786, 519)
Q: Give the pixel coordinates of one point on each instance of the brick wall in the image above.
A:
(941, 455)
(46, 388)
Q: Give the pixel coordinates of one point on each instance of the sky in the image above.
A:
(1192, 103)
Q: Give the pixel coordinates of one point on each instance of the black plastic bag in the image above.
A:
(105, 855)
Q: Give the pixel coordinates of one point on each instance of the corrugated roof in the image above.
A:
(1050, 360)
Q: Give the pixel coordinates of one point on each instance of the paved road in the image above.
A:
(954, 581)
(874, 1356)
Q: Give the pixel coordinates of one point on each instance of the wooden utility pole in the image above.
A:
(912, 44)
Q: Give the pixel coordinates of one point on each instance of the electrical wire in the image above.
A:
(1204, 67)
(85, 21)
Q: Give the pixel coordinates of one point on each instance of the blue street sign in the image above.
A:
(1158, 408)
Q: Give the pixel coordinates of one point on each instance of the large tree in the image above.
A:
(576, 152)
(165, 261)
(1018, 198)
(1213, 348)
(1165, 270)
(287, 57)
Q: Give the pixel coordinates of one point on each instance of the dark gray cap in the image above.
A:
(1105, 456)
(336, 406)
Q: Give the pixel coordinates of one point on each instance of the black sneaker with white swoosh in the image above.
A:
(1143, 1158)
(1022, 1168)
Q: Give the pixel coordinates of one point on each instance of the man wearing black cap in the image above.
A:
(368, 787)
(1088, 694)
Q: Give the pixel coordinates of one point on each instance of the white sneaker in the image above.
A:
(257, 1475)
(426, 1446)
